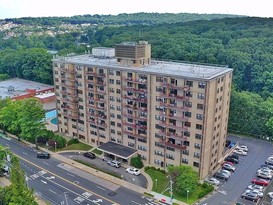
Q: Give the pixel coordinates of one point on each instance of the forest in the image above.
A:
(242, 43)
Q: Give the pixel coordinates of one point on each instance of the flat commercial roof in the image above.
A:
(165, 68)
(19, 87)
(117, 150)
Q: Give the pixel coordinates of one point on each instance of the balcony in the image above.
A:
(67, 70)
(136, 90)
(103, 92)
(175, 117)
(134, 98)
(66, 107)
(133, 80)
(92, 73)
(69, 93)
(99, 83)
(100, 100)
(73, 115)
(171, 85)
(173, 96)
(171, 144)
(173, 126)
(101, 124)
(174, 106)
(133, 125)
(134, 134)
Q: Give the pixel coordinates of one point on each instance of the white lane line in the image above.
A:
(52, 191)
(135, 202)
(71, 175)
(101, 188)
(24, 153)
(45, 163)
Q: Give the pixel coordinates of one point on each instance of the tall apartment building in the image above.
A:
(169, 113)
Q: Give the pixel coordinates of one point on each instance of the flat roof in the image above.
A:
(45, 95)
(117, 150)
(19, 87)
(164, 68)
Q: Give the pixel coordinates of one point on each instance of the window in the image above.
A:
(187, 114)
(139, 147)
(185, 152)
(197, 146)
(199, 116)
(198, 136)
(118, 91)
(112, 90)
(118, 108)
(118, 73)
(185, 161)
(188, 104)
(131, 137)
(118, 82)
(119, 116)
(159, 153)
(118, 100)
(113, 131)
(189, 83)
(201, 85)
(187, 133)
(196, 164)
(112, 115)
(201, 96)
(187, 124)
(199, 127)
(188, 93)
(130, 144)
(170, 156)
(118, 124)
(196, 155)
(112, 107)
(112, 98)
(200, 106)
(111, 81)
(113, 123)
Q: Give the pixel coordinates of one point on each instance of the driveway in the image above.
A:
(97, 162)
(230, 192)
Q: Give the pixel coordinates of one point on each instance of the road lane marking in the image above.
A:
(135, 202)
(52, 191)
(70, 174)
(101, 188)
(24, 153)
(80, 187)
(45, 163)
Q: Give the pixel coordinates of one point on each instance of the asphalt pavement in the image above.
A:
(230, 192)
(139, 180)
(58, 182)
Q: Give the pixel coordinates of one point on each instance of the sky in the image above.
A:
(41, 8)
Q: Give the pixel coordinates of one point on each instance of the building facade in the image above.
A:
(171, 113)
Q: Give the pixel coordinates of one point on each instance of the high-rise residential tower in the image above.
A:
(122, 101)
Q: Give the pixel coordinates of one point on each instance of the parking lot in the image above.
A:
(229, 192)
(97, 162)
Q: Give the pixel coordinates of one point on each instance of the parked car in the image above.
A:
(43, 155)
(221, 175)
(213, 181)
(265, 170)
(230, 159)
(264, 175)
(250, 196)
(89, 155)
(114, 163)
(235, 156)
(133, 171)
(269, 161)
(228, 167)
(270, 195)
(259, 181)
(267, 166)
(242, 147)
(255, 186)
(226, 172)
(240, 151)
(226, 162)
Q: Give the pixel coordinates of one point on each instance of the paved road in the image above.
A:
(80, 187)
(137, 180)
(230, 191)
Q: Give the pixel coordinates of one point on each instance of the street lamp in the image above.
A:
(188, 195)
(156, 183)
(55, 143)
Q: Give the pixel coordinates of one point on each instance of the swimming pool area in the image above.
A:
(51, 114)
(54, 121)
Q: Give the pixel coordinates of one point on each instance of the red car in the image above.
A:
(261, 182)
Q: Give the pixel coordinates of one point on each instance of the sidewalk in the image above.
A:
(107, 177)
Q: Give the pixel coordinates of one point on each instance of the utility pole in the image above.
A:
(65, 197)
(171, 189)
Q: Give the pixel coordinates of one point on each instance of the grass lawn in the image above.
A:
(78, 146)
(162, 182)
(96, 151)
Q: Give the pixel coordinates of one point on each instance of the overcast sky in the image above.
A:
(36, 8)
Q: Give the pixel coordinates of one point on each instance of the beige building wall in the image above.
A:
(169, 119)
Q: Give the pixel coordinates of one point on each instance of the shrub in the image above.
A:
(72, 141)
(137, 162)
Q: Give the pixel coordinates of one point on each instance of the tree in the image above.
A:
(137, 162)
(184, 178)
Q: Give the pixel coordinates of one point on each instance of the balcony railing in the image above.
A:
(134, 98)
(92, 73)
(70, 115)
(174, 106)
(170, 144)
(136, 90)
(173, 96)
(134, 134)
(170, 125)
(71, 71)
(133, 125)
(171, 85)
(133, 80)
(175, 117)
(70, 94)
